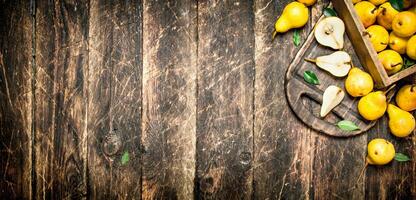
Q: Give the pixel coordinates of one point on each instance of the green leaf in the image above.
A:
(296, 37)
(397, 4)
(408, 62)
(401, 157)
(328, 12)
(346, 125)
(310, 77)
(125, 158)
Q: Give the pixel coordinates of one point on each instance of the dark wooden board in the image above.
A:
(114, 99)
(284, 148)
(16, 99)
(296, 89)
(225, 100)
(60, 112)
(169, 99)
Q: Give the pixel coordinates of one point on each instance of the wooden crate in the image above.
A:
(363, 47)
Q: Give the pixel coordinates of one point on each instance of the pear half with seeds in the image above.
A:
(337, 63)
(330, 32)
(333, 95)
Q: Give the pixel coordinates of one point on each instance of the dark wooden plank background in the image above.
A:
(192, 91)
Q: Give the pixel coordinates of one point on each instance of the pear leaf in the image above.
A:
(408, 62)
(397, 4)
(310, 77)
(346, 125)
(125, 158)
(401, 157)
(329, 12)
(296, 37)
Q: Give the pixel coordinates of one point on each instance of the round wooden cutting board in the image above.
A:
(305, 99)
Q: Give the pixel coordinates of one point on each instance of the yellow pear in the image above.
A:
(358, 83)
(391, 60)
(355, 1)
(404, 24)
(380, 152)
(373, 105)
(411, 47)
(379, 37)
(307, 2)
(397, 43)
(401, 122)
(295, 15)
(386, 14)
(406, 97)
(377, 2)
(367, 12)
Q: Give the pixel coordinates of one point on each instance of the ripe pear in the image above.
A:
(391, 60)
(367, 12)
(411, 47)
(404, 24)
(406, 98)
(373, 105)
(386, 14)
(330, 32)
(379, 37)
(397, 43)
(337, 63)
(380, 152)
(332, 96)
(401, 123)
(377, 2)
(358, 83)
(295, 15)
(307, 2)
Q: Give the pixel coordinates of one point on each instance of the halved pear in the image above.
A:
(330, 32)
(333, 95)
(337, 63)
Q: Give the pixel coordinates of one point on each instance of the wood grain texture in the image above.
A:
(225, 99)
(284, 148)
(114, 99)
(16, 99)
(61, 61)
(395, 180)
(169, 99)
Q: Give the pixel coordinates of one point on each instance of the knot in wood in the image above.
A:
(112, 143)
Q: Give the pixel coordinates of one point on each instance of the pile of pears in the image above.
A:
(329, 32)
(391, 32)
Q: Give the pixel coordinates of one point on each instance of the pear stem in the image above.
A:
(396, 64)
(274, 35)
(310, 60)
(413, 88)
(366, 33)
(375, 9)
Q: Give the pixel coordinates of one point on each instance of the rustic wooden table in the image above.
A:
(184, 99)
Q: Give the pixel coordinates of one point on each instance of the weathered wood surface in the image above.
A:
(114, 99)
(16, 100)
(225, 100)
(193, 91)
(169, 99)
(60, 99)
